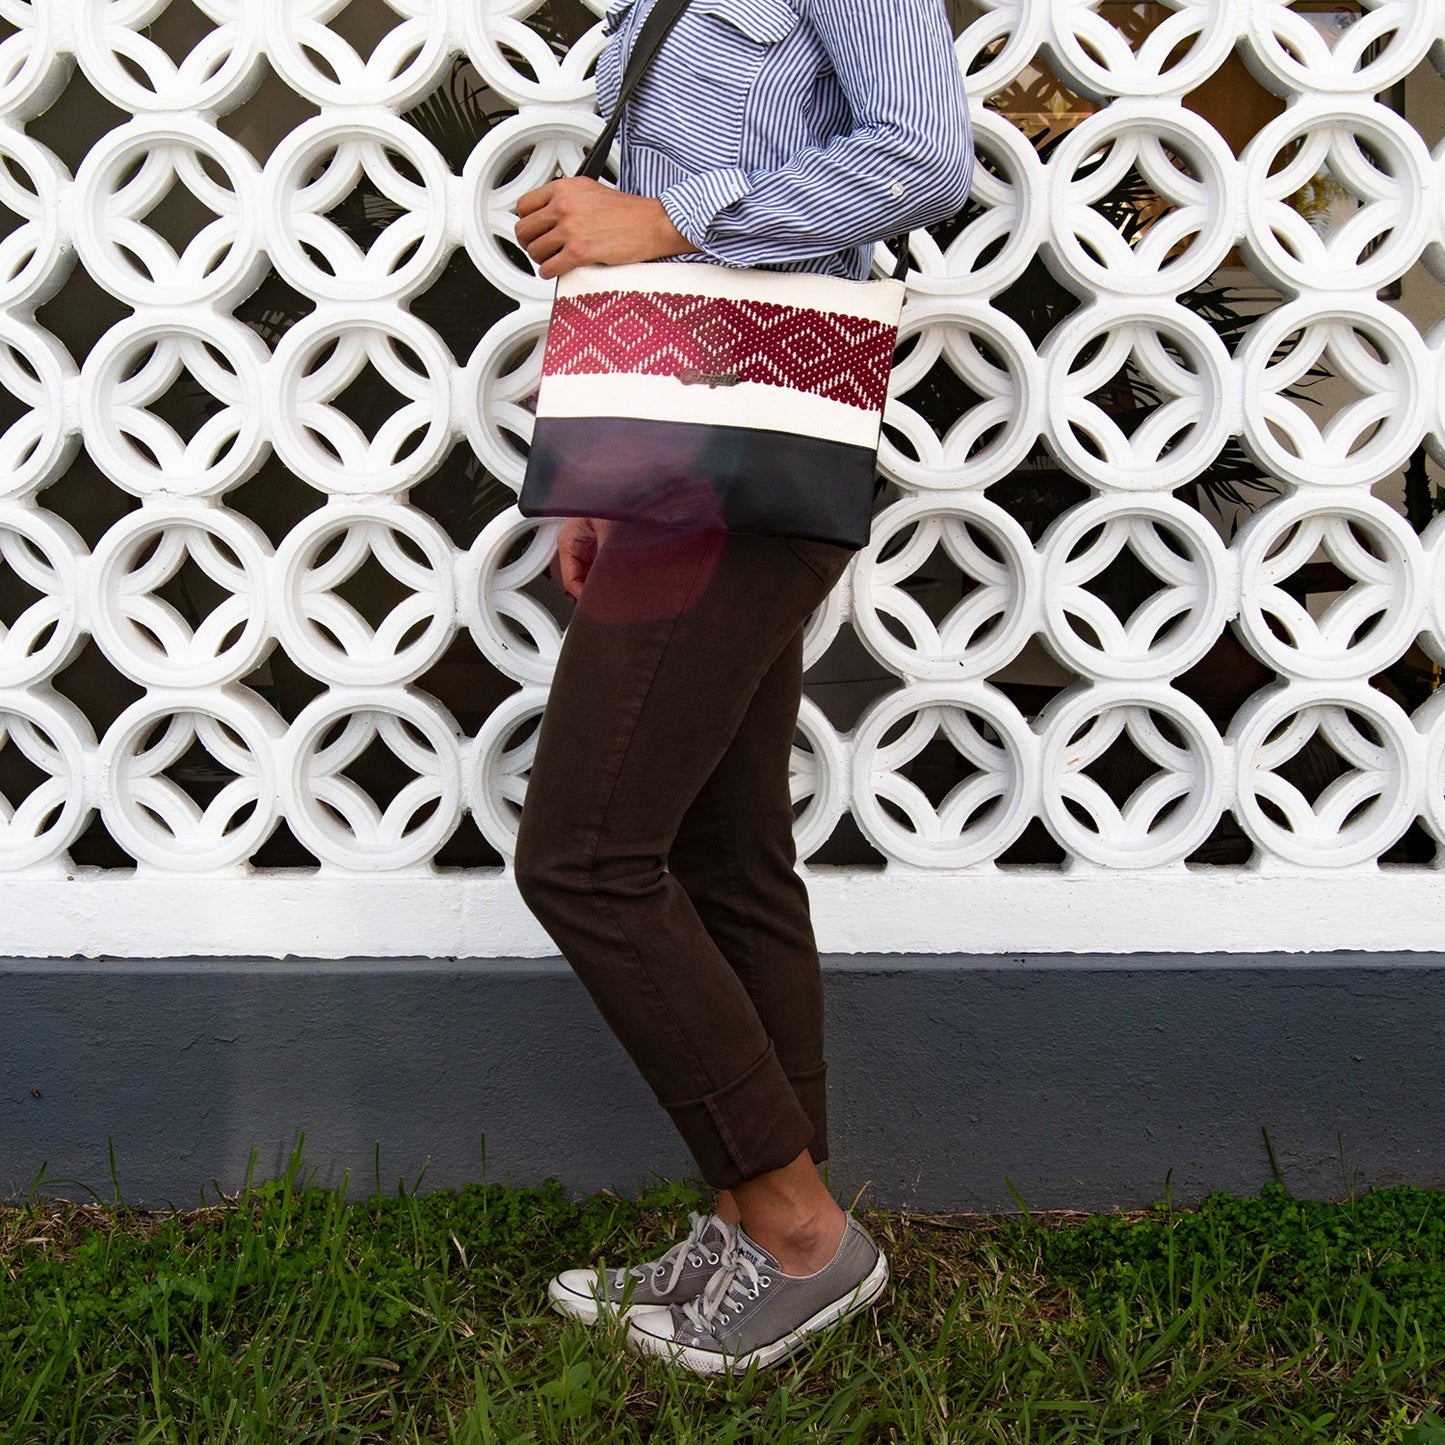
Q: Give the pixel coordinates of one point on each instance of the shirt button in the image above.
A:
(895, 190)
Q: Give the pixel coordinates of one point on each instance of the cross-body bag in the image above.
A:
(705, 395)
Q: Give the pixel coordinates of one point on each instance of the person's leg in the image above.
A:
(671, 639)
(734, 857)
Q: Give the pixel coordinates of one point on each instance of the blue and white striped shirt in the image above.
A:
(794, 133)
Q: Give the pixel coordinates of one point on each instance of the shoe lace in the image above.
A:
(676, 1259)
(735, 1281)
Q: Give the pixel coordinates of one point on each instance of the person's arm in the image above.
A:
(579, 222)
(906, 163)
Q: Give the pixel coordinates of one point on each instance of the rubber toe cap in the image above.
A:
(574, 1292)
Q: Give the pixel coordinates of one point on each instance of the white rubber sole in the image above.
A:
(710, 1362)
(585, 1307)
(567, 1300)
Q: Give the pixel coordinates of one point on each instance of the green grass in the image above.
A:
(287, 1315)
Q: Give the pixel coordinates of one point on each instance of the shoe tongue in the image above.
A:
(750, 1249)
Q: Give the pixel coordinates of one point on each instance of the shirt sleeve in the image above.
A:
(906, 163)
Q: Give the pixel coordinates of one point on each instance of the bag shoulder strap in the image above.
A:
(655, 29)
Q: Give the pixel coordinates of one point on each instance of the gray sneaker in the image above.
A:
(677, 1275)
(752, 1313)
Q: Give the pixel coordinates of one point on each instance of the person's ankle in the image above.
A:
(803, 1245)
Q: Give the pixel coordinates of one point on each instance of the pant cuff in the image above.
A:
(746, 1128)
(811, 1091)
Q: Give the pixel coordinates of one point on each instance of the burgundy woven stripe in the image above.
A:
(842, 358)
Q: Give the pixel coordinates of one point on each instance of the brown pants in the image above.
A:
(656, 843)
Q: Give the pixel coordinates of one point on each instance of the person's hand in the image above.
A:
(577, 545)
(580, 222)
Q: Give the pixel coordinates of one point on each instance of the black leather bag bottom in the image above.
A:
(684, 474)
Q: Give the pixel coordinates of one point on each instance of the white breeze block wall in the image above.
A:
(1311, 879)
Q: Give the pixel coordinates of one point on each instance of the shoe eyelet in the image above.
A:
(766, 1280)
(694, 1261)
(714, 1259)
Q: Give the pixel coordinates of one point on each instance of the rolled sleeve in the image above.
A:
(693, 204)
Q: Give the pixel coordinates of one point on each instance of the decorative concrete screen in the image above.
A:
(1040, 757)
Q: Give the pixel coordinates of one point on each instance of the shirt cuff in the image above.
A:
(693, 204)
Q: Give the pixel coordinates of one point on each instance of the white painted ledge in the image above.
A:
(478, 914)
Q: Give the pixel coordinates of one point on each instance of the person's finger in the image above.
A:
(575, 567)
(535, 200)
(530, 227)
(547, 245)
(563, 572)
(542, 244)
(566, 555)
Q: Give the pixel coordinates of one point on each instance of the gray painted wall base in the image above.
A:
(1086, 1081)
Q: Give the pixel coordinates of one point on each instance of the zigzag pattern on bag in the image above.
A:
(721, 341)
